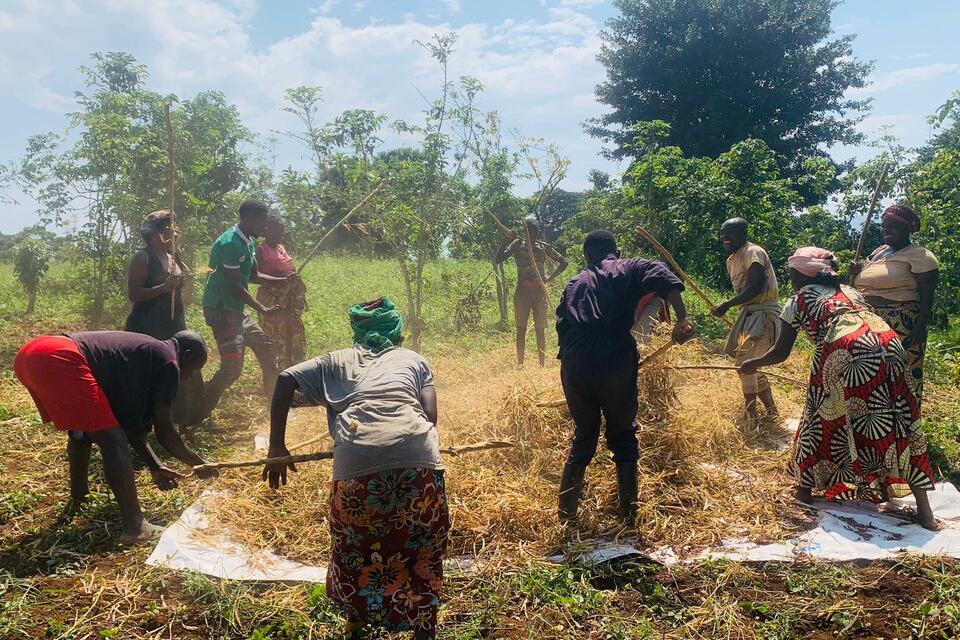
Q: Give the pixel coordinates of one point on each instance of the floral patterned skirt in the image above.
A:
(389, 534)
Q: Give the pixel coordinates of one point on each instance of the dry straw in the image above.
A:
(703, 476)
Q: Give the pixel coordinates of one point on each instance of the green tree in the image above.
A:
(723, 71)
(31, 261)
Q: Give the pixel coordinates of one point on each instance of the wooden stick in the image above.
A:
(656, 354)
(343, 220)
(502, 226)
(873, 205)
(327, 455)
(306, 443)
(680, 272)
(171, 197)
(724, 367)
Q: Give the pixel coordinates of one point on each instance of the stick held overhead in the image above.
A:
(171, 199)
(343, 221)
(873, 205)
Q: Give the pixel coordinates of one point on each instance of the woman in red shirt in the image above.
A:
(285, 328)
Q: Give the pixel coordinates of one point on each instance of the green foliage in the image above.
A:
(726, 71)
(31, 259)
(682, 202)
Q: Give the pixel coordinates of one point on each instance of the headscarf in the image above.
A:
(904, 214)
(161, 221)
(813, 262)
(376, 324)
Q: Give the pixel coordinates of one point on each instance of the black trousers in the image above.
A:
(609, 388)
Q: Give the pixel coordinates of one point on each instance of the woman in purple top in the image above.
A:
(598, 361)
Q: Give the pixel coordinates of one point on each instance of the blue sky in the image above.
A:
(535, 57)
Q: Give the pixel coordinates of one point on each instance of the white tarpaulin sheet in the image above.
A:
(180, 547)
(854, 530)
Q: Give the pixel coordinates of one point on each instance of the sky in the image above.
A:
(536, 59)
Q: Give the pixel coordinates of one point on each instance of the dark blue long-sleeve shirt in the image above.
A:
(596, 309)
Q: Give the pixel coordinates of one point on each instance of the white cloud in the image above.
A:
(906, 77)
(581, 4)
(453, 6)
(326, 7)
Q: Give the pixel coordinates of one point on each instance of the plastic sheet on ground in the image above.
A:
(186, 545)
(855, 531)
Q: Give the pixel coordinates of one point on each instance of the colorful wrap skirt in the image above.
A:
(902, 317)
(285, 328)
(388, 535)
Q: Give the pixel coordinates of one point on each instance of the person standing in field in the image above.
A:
(755, 329)
(389, 520)
(225, 297)
(108, 388)
(153, 277)
(284, 328)
(899, 280)
(651, 311)
(598, 362)
(529, 295)
(860, 435)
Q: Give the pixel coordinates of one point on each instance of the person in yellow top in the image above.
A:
(755, 329)
(898, 280)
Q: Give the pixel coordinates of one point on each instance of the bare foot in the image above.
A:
(804, 495)
(143, 534)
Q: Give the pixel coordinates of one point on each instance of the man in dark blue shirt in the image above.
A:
(598, 361)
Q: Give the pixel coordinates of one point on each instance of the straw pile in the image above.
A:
(702, 477)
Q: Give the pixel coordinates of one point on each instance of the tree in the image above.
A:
(103, 176)
(31, 261)
(723, 71)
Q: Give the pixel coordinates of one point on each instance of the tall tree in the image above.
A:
(722, 71)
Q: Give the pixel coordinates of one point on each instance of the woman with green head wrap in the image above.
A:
(388, 507)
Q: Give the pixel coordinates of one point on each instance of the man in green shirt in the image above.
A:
(225, 297)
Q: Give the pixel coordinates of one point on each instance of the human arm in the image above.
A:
(164, 478)
(779, 352)
(561, 262)
(755, 285)
(683, 328)
(926, 286)
(236, 288)
(169, 438)
(257, 277)
(276, 474)
(137, 276)
(505, 248)
(428, 400)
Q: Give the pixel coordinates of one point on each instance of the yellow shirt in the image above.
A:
(891, 275)
(741, 261)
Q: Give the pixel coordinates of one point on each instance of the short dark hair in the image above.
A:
(192, 341)
(598, 244)
(253, 208)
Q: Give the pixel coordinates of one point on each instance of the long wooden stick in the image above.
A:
(680, 272)
(343, 220)
(873, 205)
(533, 264)
(724, 367)
(171, 197)
(656, 354)
(500, 224)
(327, 455)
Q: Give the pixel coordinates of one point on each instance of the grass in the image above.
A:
(68, 579)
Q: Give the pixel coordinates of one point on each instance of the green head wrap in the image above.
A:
(376, 324)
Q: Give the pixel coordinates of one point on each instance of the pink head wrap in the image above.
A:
(813, 261)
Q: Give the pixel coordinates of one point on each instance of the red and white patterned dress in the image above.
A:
(860, 427)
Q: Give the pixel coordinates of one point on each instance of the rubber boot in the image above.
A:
(627, 491)
(571, 486)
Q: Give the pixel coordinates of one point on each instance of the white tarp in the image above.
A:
(216, 555)
(855, 530)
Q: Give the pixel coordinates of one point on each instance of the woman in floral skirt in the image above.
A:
(388, 507)
(860, 435)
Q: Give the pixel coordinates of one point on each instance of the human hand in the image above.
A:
(511, 235)
(720, 310)
(166, 478)
(683, 331)
(272, 310)
(855, 268)
(748, 367)
(172, 283)
(276, 474)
